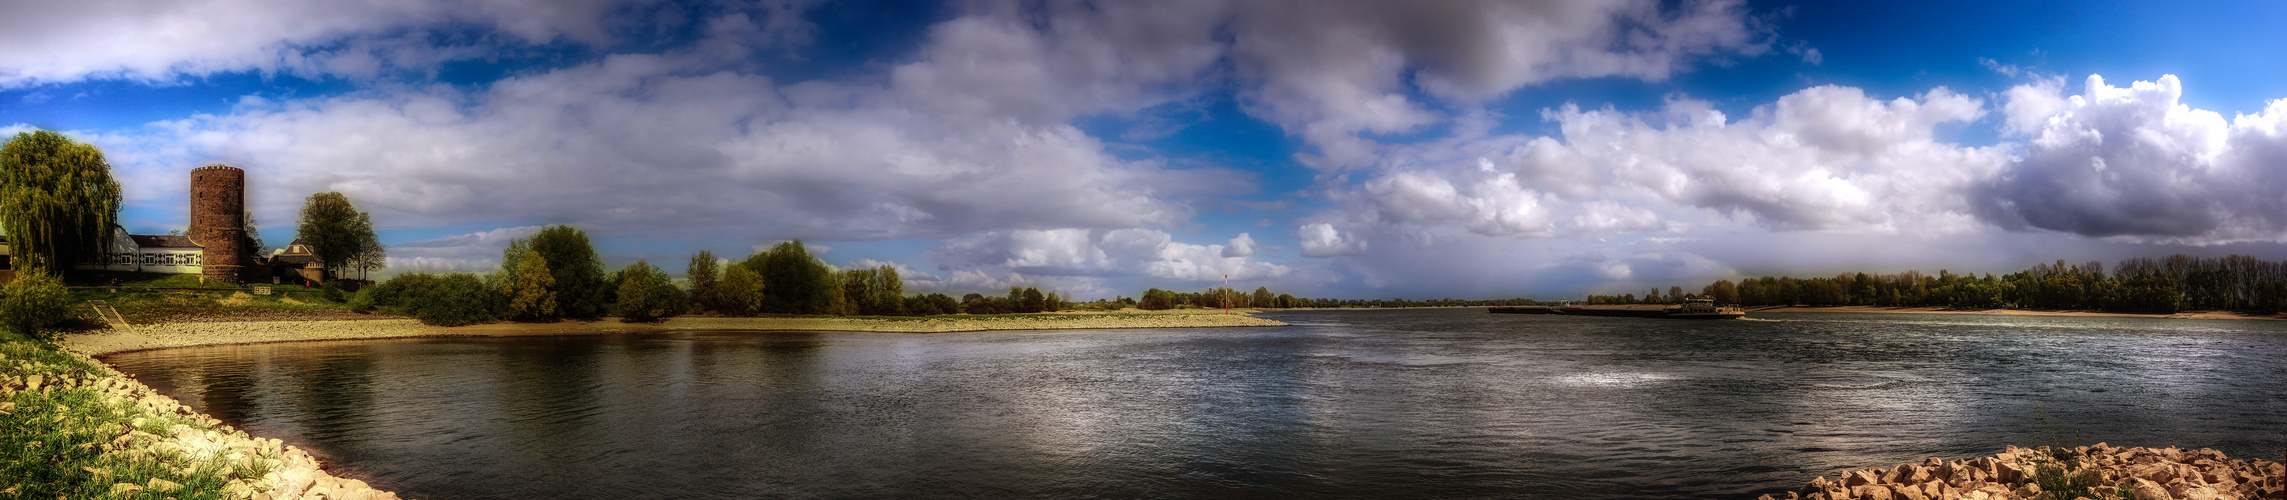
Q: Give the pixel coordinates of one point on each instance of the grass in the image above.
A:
(70, 440)
(135, 279)
(144, 307)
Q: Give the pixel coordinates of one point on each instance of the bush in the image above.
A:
(362, 301)
(332, 292)
(34, 302)
(441, 300)
(986, 305)
(932, 304)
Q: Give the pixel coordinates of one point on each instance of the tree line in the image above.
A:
(1262, 298)
(2143, 284)
(555, 275)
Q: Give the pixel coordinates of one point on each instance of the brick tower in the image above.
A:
(218, 221)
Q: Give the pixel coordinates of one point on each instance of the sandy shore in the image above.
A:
(190, 334)
(2015, 312)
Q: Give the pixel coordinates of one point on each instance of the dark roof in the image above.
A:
(163, 241)
(294, 258)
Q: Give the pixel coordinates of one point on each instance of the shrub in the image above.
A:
(932, 304)
(986, 305)
(332, 291)
(362, 301)
(443, 300)
(457, 299)
(34, 302)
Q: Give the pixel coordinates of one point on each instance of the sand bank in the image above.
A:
(190, 334)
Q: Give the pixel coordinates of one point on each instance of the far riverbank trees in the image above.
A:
(2145, 285)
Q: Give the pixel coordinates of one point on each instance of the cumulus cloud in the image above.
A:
(1327, 71)
(620, 145)
(2135, 162)
(1082, 252)
(1322, 240)
(1822, 158)
(164, 40)
(1241, 246)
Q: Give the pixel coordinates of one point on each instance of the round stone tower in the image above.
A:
(218, 220)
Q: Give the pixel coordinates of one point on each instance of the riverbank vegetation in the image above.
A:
(2139, 285)
(69, 430)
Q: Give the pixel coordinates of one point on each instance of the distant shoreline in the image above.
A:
(2010, 312)
(196, 334)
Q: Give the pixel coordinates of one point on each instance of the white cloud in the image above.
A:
(1327, 71)
(1241, 246)
(2135, 162)
(1823, 158)
(1081, 252)
(1322, 240)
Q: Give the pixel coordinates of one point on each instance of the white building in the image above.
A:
(152, 253)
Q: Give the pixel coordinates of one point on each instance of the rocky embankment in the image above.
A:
(2096, 471)
(153, 435)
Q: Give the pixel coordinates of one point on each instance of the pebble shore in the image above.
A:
(2112, 472)
(164, 431)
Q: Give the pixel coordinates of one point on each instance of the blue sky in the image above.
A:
(1328, 149)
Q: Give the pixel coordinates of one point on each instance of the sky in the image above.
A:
(1325, 148)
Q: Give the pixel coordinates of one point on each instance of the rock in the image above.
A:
(1870, 492)
(162, 485)
(1859, 478)
(2148, 490)
(2201, 493)
(1907, 492)
(125, 489)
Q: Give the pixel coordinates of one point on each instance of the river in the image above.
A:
(1434, 403)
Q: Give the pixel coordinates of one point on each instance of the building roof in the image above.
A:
(163, 241)
(295, 259)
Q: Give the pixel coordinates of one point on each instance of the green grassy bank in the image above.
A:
(73, 428)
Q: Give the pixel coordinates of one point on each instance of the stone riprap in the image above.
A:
(162, 430)
(2110, 472)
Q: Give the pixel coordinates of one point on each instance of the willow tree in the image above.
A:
(57, 200)
(337, 232)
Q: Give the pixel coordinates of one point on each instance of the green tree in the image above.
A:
(704, 274)
(370, 254)
(1032, 301)
(793, 281)
(58, 201)
(530, 290)
(1156, 299)
(740, 293)
(646, 293)
(1263, 298)
(33, 302)
(336, 232)
(581, 290)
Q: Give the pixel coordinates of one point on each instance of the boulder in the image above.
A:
(2148, 490)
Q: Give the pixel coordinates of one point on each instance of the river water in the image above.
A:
(1359, 404)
